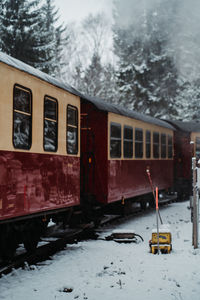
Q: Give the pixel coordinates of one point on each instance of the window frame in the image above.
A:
(47, 97)
(116, 139)
(29, 114)
(157, 145)
(163, 151)
(148, 143)
(129, 141)
(169, 147)
(72, 126)
(139, 143)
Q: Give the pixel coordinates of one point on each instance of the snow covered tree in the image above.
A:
(28, 32)
(20, 25)
(1, 9)
(185, 44)
(91, 73)
(147, 75)
(97, 80)
(188, 101)
(92, 79)
(54, 38)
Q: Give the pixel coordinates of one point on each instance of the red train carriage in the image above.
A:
(39, 151)
(186, 132)
(117, 147)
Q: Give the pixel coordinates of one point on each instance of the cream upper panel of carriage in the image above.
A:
(46, 120)
(134, 139)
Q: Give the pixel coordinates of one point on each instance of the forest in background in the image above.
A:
(146, 58)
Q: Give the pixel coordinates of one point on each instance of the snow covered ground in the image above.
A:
(107, 270)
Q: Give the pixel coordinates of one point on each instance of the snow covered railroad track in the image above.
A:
(57, 239)
(47, 247)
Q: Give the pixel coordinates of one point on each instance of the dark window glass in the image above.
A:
(22, 100)
(50, 124)
(170, 146)
(198, 147)
(22, 118)
(128, 142)
(50, 109)
(138, 143)
(115, 140)
(148, 144)
(72, 115)
(156, 139)
(72, 130)
(163, 145)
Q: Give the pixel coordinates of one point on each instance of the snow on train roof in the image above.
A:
(99, 103)
(108, 107)
(13, 62)
(185, 126)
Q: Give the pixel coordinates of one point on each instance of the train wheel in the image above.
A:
(152, 203)
(8, 243)
(143, 204)
(30, 244)
(32, 234)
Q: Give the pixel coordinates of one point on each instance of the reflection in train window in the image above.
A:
(156, 140)
(138, 143)
(148, 144)
(197, 147)
(22, 118)
(163, 145)
(50, 124)
(170, 152)
(115, 140)
(72, 130)
(128, 142)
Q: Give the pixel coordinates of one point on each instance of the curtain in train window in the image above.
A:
(156, 141)
(128, 142)
(22, 118)
(197, 147)
(138, 143)
(115, 140)
(50, 124)
(163, 145)
(170, 152)
(72, 130)
(148, 144)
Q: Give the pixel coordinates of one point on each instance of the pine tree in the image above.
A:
(29, 33)
(147, 74)
(20, 23)
(55, 38)
(92, 80)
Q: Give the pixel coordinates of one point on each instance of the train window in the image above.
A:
(156, 140)
(163, 145)
(50, 124)
(148, 144)
(138, 143)
(22, 118)
(115, 140)
(198, 147)
(72, 130)
(128, 142)
(170, 146)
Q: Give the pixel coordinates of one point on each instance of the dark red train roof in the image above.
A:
(117, 109)
(185, 126)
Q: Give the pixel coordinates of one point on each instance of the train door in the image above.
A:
(87, 158)
(182, 163)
